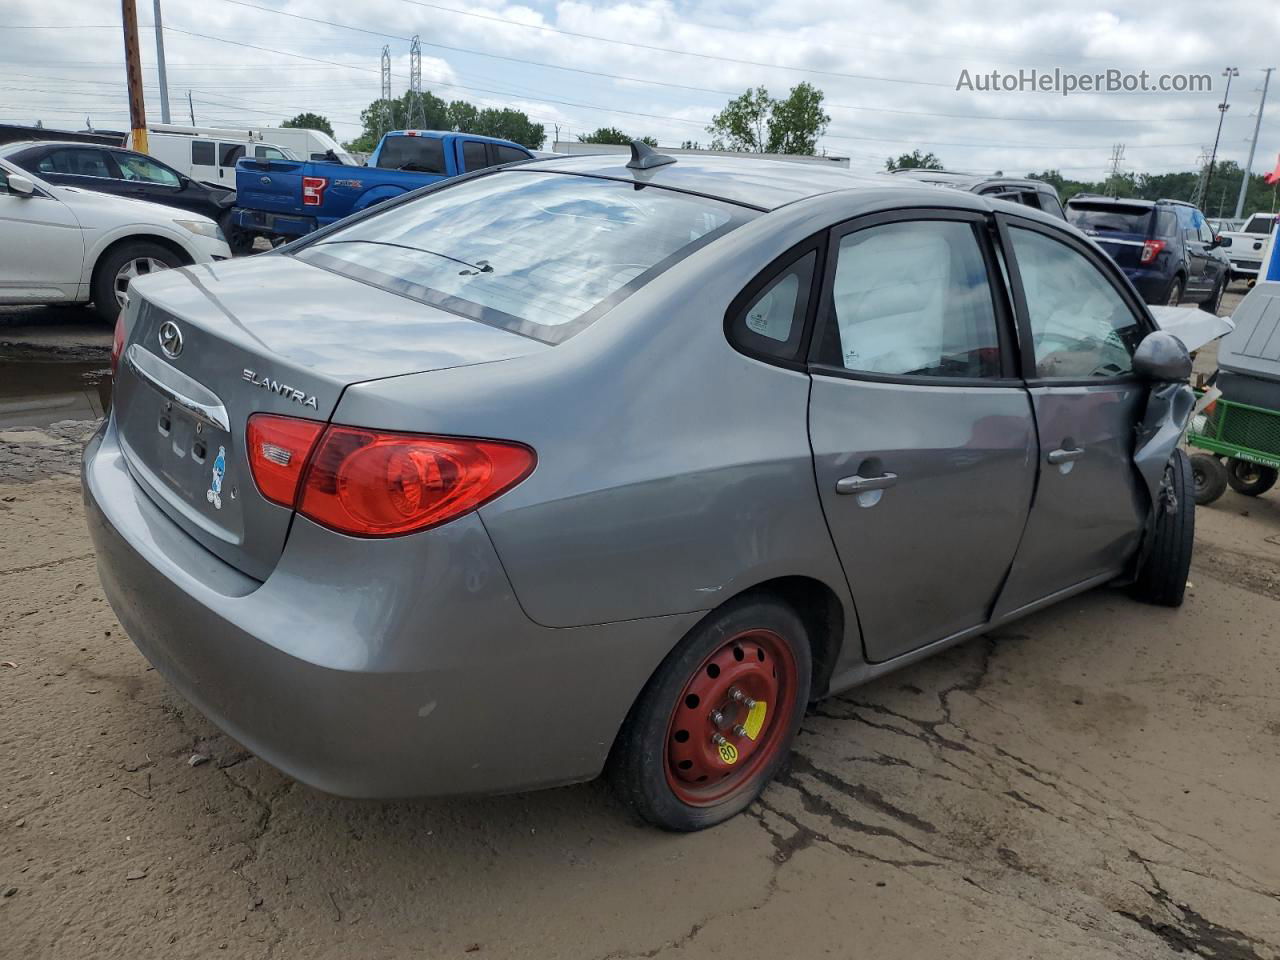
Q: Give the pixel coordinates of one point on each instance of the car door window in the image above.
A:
(912, 299)
(1050, 203)
(229, 153)
(1081, 327)
(772, 321)
(146, 170)
(77, 162)
(271, 153)
(203, 153)
(1206, 232)
(474, 156)
(509, 154)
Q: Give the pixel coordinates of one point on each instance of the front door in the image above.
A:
(1079, 328)
(922, 433)
(42, 244)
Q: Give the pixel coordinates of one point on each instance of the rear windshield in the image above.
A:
(1260, 223)
(1110, 217)
(420, 154)
(540, 254)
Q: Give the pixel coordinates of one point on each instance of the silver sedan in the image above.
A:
(589, 464)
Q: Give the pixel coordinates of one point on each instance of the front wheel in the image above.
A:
(716, 721)
(1162, 578)
(238, 239)
(122, 264)
(1251, 479)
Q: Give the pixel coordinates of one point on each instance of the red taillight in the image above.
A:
(368, 483)
(117, 344)
(313, 191)
(1151, 249)
(278, 449)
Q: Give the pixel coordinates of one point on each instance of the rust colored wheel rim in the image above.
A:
(732, 718)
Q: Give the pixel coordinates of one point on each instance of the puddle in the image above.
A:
(34, 394)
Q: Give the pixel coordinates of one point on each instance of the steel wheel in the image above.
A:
(138, 267)
(731, 718)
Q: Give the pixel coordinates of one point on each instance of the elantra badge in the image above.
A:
(283, 389)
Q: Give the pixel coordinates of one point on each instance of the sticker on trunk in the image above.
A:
(214, 493)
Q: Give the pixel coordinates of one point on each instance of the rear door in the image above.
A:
(1078, 326)
(228, 155)
(1200, 274)
(148, 179)
(922, 433)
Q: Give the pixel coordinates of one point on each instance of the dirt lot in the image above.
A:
(1101, 780)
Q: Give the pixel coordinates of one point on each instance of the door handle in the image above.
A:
(857, 484)
(1065, 456)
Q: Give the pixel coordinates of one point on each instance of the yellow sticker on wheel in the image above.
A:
(728, 753)
(755, 719)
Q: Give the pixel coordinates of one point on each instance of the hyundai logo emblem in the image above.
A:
(170, 339)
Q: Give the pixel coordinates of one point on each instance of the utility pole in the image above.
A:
(192, 107)
(1223, 107)
(415, 80)
(133, 73)
(1253, 144)
(164, 81)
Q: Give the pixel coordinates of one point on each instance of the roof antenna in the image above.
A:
(644, 157)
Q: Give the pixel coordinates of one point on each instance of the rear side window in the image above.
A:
(1260, 223)
(1166, 224)
(474, 156)
(77, 161)
(203, 152)
(509, 154)
(1049, 203)
(1110, 217)
(1081, 327)
(541, 254)
(420, 154)
(229, 153)
(771, 321)
(912, 299)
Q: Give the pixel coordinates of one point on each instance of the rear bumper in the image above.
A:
(1245, 268)
(260, 221)
(388, 668)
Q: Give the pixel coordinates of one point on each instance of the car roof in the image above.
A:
(965, 181)
(762, 184)
(9, 149)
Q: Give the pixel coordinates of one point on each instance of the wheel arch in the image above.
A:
(177, 249)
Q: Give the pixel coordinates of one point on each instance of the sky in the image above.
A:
(889, 69)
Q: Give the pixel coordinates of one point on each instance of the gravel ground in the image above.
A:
(1099, 780)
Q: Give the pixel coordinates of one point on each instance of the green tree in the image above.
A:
(426, 111)
(744, 123)
(796, 123)
(463, 116)
(915, 160)
(310, 121)
(613, 135)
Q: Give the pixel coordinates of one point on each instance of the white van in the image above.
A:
(209, 154)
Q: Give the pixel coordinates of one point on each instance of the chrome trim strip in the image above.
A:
(176, 385)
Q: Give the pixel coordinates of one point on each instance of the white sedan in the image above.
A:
(67, 245)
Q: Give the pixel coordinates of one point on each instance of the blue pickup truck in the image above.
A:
(283, 199)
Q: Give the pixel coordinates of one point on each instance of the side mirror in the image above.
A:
(1163, 358)
(1216, 241)
(1222, 241)
(21, 185)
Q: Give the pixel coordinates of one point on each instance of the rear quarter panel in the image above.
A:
(673, 472)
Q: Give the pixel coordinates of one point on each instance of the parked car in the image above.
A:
(68, 245)
(1165, 247)
(591, 463)
(1031, 193)
(209, 154)
(1245, 244)
(282, 199)
(124, 173)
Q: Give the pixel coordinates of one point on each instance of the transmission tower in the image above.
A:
(1202, 162)
(386, 73)
(1113, 183)
(415, 80)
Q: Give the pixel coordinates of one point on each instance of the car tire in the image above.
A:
(1173, 296)
(141, 255)
(1209, 478)
(1214, 303)
(1251, 479)
(240, 241)
(666, 765)
(1162, 579)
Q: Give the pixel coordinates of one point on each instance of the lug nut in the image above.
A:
(739, 730)
(717, 718)
(718, 740)
(738, 696)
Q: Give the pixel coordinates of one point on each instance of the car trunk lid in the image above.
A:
(1120, 229)
(209, 346)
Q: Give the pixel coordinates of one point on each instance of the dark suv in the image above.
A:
(1165, 247)
(1030, 193)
